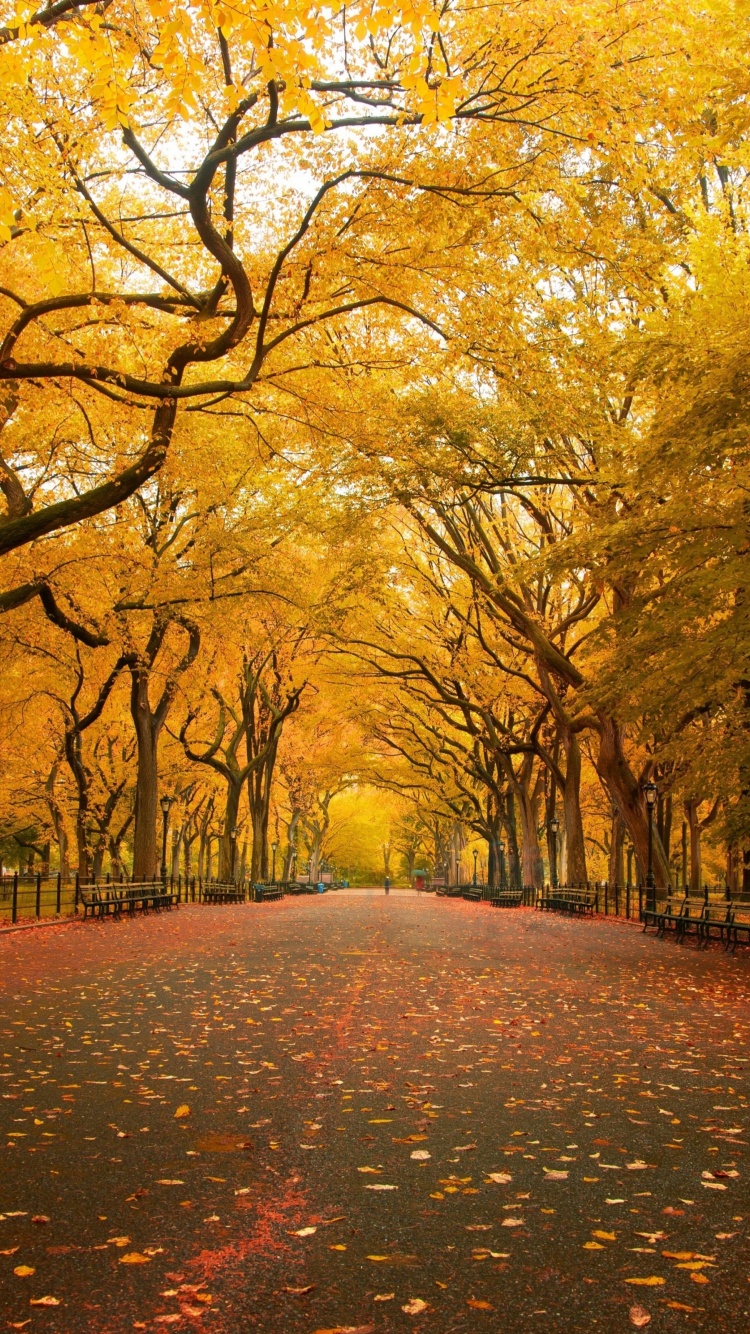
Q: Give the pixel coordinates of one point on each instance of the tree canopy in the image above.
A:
(373, 437)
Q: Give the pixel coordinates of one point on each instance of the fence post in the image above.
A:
(58, 899)
(627, 900)
(14, 904)
(640, 901)
(38, 904)
(77, 892)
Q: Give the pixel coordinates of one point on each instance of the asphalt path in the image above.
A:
(357, 1113)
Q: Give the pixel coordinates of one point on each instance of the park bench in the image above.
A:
(738, 927)
(108, 899)
(507, 898)
(449, 892)
(473, 893)
(575, 901)
(219, 892)
(717, 918)
(265, 893)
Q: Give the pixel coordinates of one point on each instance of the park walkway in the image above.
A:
(357, 1113)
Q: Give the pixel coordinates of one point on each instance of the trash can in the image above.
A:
(321, 888)
(258, 893)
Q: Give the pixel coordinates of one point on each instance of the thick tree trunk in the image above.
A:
(231, 812)
(694, 827)
(146, 850)
(619, 780)
(576, 870)
(291, 848)
(515, 875)
(617, 840)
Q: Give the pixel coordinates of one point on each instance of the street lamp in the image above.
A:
(501, 850)
(650, 792)
(165, 804)
(554, 826)
(476, 854)
(274, 846)
(233, 848)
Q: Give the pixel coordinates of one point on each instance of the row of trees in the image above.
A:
(374, 412)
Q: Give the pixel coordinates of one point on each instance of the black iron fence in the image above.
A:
(26, 897)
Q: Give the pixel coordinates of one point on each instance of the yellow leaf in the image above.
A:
(593, 1246)
(652, 1282)
(134, 1258)
(605, 1236)
(183, 1110)
(23, 1271)
(698, 1278)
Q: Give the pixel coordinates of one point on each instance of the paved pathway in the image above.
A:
(359, 1113)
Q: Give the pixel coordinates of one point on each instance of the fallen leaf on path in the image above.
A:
(420, 1155)
(40, 1219)
(554, 1175)
(300, 1292)
(604, 1236)
(512, 1222)
(698, 1278)
(182, 1110)
(380, 1186)
(170, 1181)
(639, 1316)
(414, 1307)
(23, 1271)
(384, 1297)
(44, 1301)
(134, 1258)
(303, 1232)
(347, 1329)
(679, 1306)
(501, 1178)
(478, 1305)
(653, 1282)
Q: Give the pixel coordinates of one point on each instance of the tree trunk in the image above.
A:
(694, 827)
(617, 839)
(511, 828)
(619, 780)
(146, 852)
(576, 870)
(231, 812)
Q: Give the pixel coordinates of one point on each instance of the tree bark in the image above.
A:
(619, 780)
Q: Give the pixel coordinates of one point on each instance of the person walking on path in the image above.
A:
(387, 884)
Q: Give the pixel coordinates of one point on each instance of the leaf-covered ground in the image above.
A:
(353, 1112)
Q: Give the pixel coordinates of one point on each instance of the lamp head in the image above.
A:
(165, 804)
(650, 792)
(274, 846)
(233, 831)
(554, 825)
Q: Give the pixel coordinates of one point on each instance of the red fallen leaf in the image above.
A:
(674, 1212)
(478, 1305)
(40, 1219)
(175, 1278)
(300, 1292)
(639, 1316)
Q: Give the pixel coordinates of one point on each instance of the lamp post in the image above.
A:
(501, 850)
(165, 804)
(650, 792)
(274, 846)
(554, 826)
(232, 849)
(476, 854)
